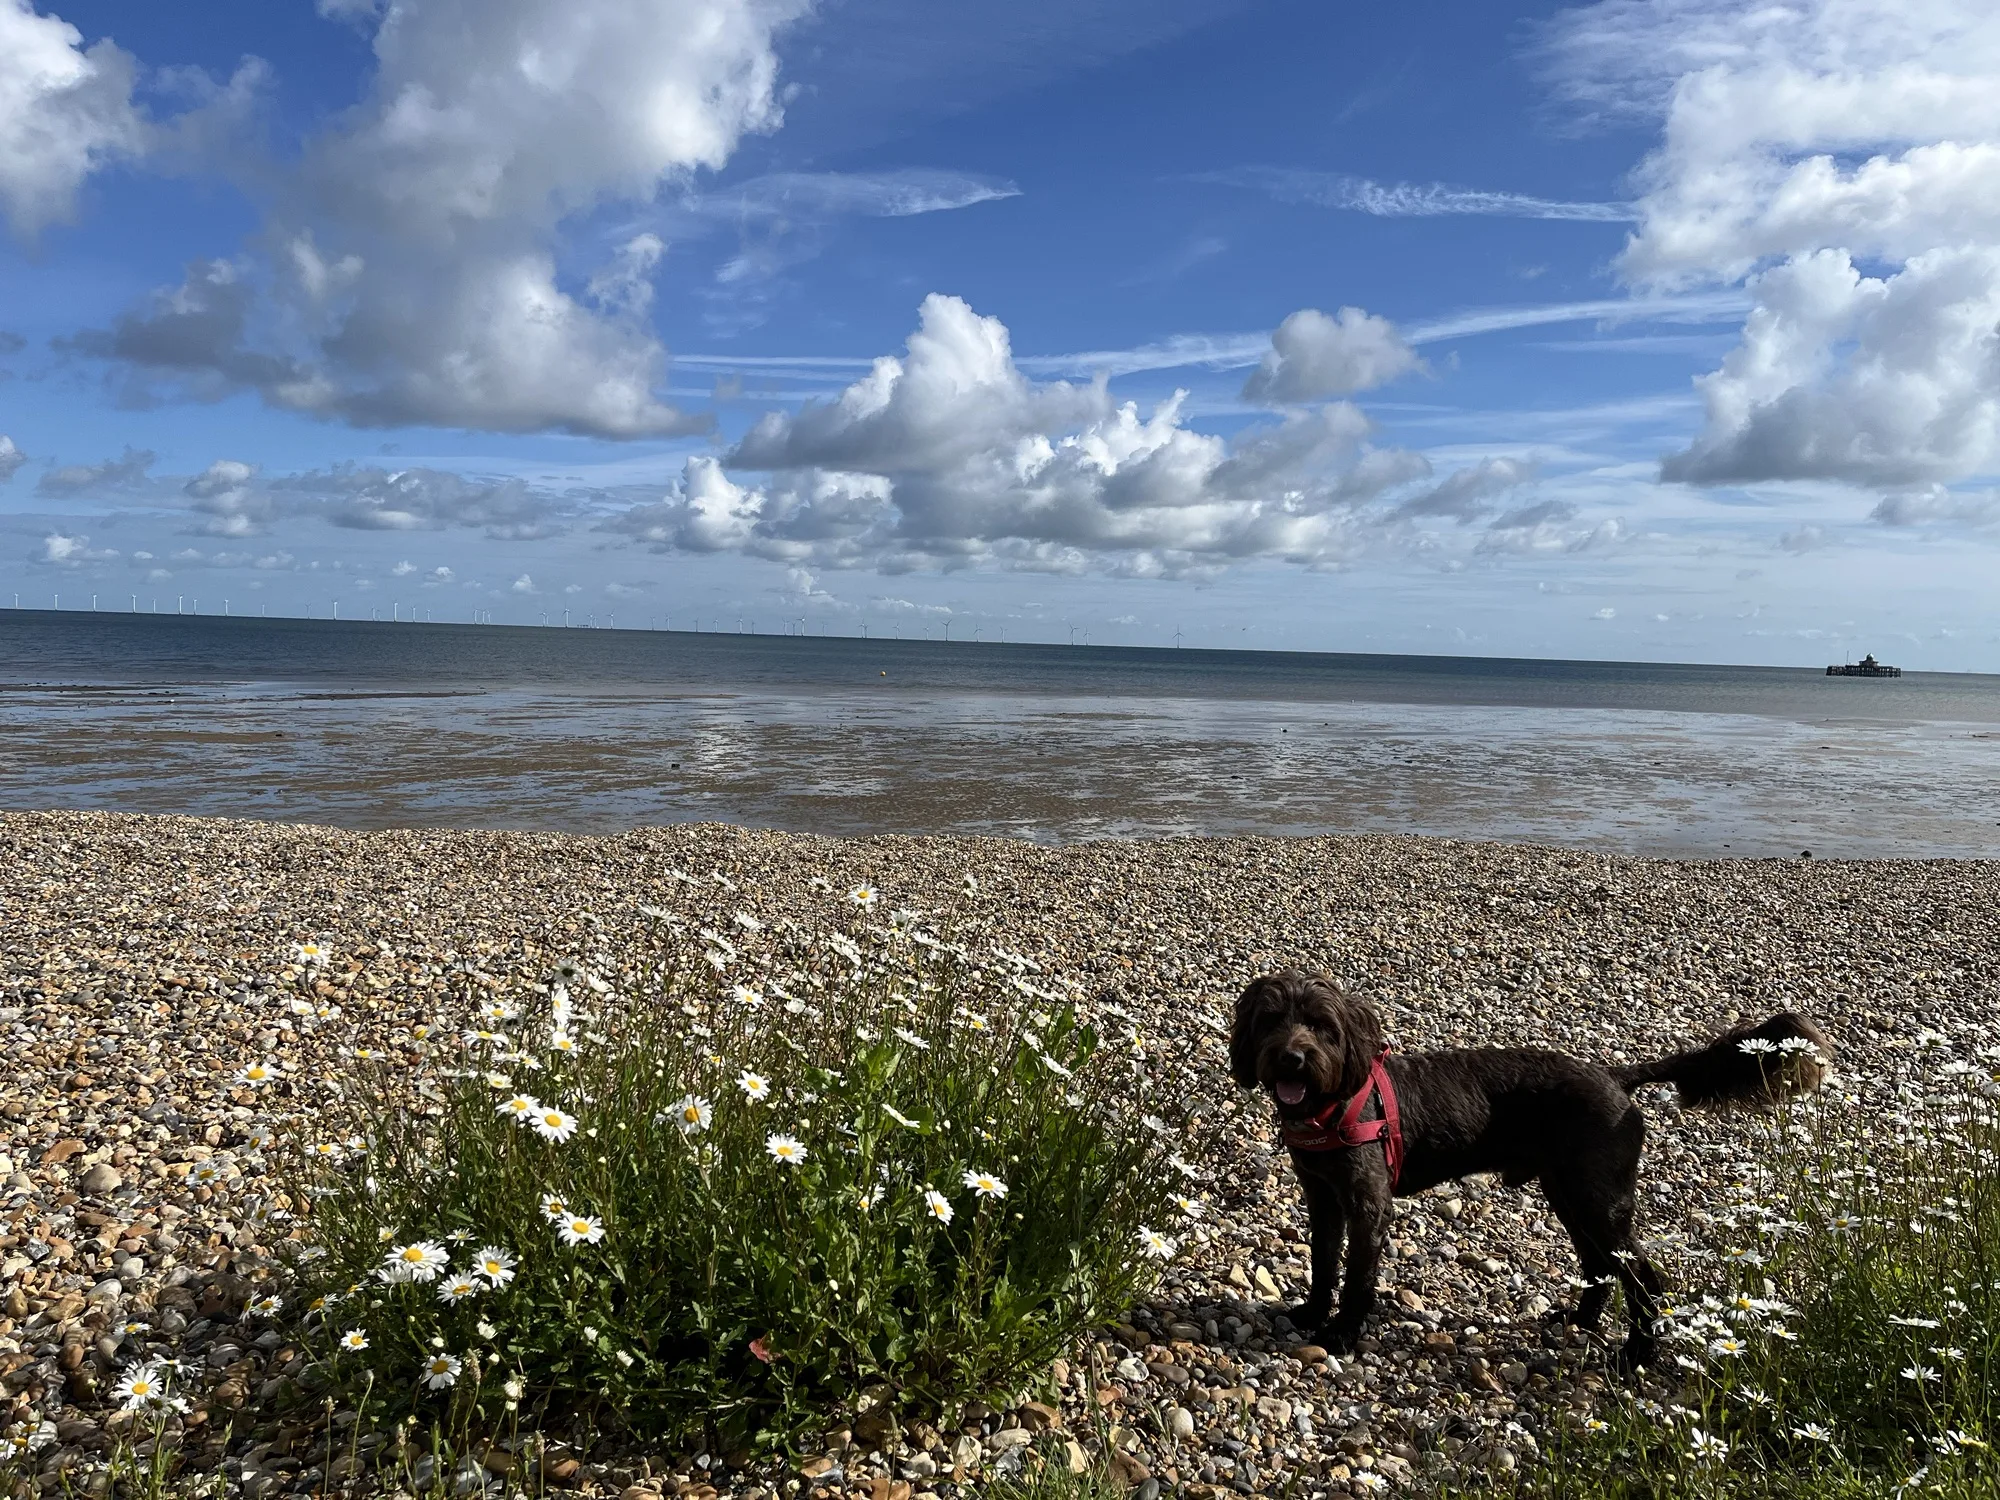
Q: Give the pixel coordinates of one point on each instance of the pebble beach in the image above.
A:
(141, 958)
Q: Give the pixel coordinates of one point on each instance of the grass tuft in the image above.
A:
(1850, 1347)
(752, 1186)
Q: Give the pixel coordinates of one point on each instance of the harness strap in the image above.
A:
(1322, 1132)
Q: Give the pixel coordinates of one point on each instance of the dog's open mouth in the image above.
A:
(1290, 1092)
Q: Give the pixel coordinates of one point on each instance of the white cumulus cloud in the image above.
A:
(1842, 157)
(11, 459)
(948, 455)
(226, 493)
(1313, 356)
(414, 274)
(65, 110)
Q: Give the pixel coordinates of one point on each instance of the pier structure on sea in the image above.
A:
(1866, 667)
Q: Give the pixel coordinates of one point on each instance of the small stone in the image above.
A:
(1309, 1354)
(101, 1179)
(1009, 1437)
(1276, 1409)
(1269, 1287)
(1180, 1422)
(1038, 1416)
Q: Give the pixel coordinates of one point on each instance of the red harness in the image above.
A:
(1321, 1132)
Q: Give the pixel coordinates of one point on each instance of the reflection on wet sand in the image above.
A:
(1041, 767)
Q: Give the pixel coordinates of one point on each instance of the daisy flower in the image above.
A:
(692, 1114)
(257, 1074)
(495, 1264)
(440, 1371)
(457, 1289)
(986, 1184)
(1706, 1446)
(785, 1148)
(937, 1205)
(755, 1085)
(207, 1174)
(864, 895)
(1155, 1244)
(1812, 1432)
(266, 1307)
(1189, 1206)
(913, 1039)
(353, 1341)
(309, 953)
(744, 995)
(554, 1207)
(420, 1260)
(561, 1041)
(521, 1109)
(551, 1124)
(580, 1229)
(143, 1385)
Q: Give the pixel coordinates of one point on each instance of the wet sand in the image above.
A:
(1047, 769)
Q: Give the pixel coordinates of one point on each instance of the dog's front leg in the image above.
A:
(1327, 1218)
(1367, 1228)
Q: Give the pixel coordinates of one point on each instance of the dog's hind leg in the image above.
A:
(1595, 1195)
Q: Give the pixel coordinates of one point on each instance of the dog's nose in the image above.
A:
(1295, 1058)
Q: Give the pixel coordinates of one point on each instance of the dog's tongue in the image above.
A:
(1289, 1093)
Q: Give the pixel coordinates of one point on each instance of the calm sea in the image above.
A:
(374, 724)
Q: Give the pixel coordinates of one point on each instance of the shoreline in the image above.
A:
(139, 964)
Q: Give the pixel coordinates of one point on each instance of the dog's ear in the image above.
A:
(1361, 1041)
(1245, 1033)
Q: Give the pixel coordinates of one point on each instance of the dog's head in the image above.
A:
(1303, 1038)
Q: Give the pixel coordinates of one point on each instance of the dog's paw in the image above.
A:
(1337, 1339)
(1305, 1315)
(1638, 1351)
(1578, 1315)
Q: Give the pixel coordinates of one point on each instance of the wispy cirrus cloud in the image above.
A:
(1408, 200)
(1236, 351)
(898, 194)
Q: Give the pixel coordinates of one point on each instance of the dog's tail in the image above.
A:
(1748, 1067)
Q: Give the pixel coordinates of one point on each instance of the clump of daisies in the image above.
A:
(739, 1170)
(1841, 1333)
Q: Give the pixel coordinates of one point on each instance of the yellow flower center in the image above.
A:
(413, 1254)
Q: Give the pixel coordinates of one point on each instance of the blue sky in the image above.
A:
(1650, 329)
